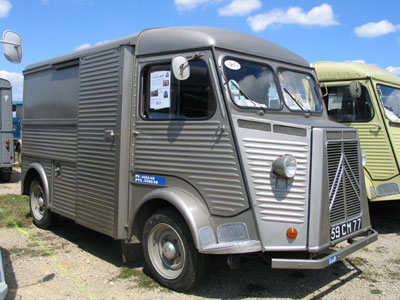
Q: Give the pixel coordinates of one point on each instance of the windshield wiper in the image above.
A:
(297, 102)
(258, 105)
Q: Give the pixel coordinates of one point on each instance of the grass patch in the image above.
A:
(14, 209)
(370, 276)
(376, 292)
(394, 275)
(359, 261)
(396, 261)
(32, 252)
(142, 280)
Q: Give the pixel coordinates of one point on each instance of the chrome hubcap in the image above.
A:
(169, 251)
(37, 203)
(166, 251)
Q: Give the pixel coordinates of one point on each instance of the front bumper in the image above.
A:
(320, 263)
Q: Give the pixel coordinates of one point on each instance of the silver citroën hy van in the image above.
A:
(193, 141)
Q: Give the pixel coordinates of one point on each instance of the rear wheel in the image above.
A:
(170, 254)
(41, 215)
(5, 174)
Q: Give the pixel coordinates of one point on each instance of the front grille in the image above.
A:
(344, 181)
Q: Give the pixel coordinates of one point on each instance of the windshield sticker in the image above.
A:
(234, 87)
(160, 90)
(233, 65)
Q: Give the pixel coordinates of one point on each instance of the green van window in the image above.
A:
(343, 108)
(390, 98)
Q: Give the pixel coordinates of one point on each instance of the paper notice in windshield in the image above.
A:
(160, 90)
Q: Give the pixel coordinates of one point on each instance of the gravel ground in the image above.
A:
(72, 262)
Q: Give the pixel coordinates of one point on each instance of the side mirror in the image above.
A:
(12, 46)
(180, 67)
(355, 89)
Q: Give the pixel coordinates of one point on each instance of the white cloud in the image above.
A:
(240, 8)
(375, 29)
(87, 45)
(17, 83)
(5, 7)
(184, 5)
(360, 61)
(318, 16)
(394, 70)
(83, 46)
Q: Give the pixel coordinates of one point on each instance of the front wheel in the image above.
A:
(170, 254)
(41, 215)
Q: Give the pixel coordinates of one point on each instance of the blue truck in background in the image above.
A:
(16, 126)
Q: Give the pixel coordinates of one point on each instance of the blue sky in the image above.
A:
(356, 30)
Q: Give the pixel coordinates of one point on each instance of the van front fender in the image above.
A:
(369, 187)
(192, 209)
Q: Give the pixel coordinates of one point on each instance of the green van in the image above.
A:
(367, 98)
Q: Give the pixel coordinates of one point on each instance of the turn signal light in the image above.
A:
(291, 233)
(8, 144)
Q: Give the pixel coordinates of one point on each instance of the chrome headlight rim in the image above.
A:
(363, 158)
(285, 166)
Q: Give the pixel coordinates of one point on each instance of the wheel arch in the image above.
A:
(35, 170)
(191, 209)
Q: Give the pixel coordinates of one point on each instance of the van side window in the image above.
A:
(343, 108)
(166, 98)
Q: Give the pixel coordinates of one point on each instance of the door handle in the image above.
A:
(109, 135)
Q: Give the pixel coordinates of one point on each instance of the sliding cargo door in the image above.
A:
(98, 142)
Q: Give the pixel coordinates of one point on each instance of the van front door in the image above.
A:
(183, 137)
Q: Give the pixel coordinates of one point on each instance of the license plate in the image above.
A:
(345, 228)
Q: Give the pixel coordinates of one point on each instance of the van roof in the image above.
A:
(176, 39)
(5, 84)
(329, 71)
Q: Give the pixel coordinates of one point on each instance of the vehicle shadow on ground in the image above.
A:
(385, 216)
(256, 279)
(15, 175)
(253, 279)
(9, 275)
(97, 244)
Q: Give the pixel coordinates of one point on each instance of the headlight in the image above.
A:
(363, 158)
(285, 166)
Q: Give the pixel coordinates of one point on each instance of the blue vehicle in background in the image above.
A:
(16, 124)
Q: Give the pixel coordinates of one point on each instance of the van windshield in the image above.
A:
(299, 91)
(390, 98)
(252, 85)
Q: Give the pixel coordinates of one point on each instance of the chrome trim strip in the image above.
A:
(233, 248)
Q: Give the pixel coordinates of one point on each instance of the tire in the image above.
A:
(170, 254)
(41, 215)
(5, 176)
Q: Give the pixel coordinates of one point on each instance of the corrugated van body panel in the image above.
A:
(196, 152)
(97, 177)
(380, 160)
(56, 142)
(64, 191)
(278, 203)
